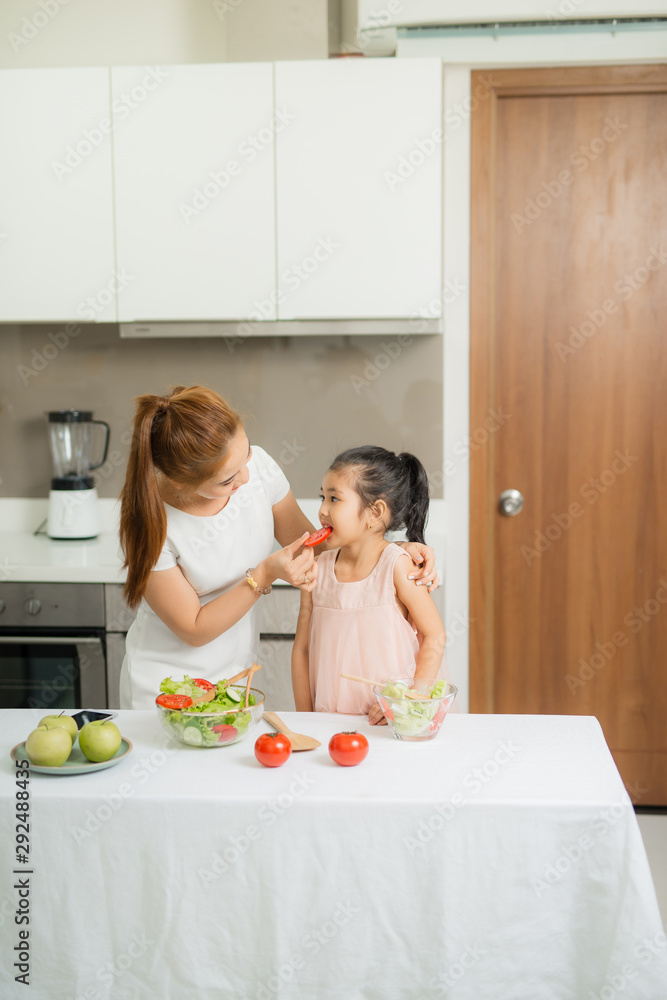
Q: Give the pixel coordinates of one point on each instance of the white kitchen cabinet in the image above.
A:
(56, 222)
(194, 190)
(359, 178)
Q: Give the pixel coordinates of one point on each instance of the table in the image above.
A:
(501, 860)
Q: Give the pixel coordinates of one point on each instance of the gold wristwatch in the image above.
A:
(253, 583)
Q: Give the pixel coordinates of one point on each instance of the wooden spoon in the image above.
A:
(298, 741)
(253, 670)
(408, 693)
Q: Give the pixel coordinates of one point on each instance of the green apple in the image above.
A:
(64, 721)
(99, 740)
(48, 747)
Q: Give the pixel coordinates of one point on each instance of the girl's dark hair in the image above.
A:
(399, 480)
(185, 436)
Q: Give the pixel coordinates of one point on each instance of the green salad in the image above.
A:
(210, 723)
(413, 718)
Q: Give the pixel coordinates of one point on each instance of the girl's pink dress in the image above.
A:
(358, 628)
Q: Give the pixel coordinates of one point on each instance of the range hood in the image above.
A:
(239, 330)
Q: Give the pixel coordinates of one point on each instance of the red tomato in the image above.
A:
(226, 733)
(348, 749)
(272, 749)
(174, 701)
(318, 536)
(203, 684)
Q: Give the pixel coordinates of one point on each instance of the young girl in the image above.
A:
(365, 616)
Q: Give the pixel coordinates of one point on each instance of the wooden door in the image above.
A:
(569, 344)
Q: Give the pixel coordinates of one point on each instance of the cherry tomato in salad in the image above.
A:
(174, 701)
(225, 733)
(204, 684)
(272, 749)
(348, 749)
(318, 536)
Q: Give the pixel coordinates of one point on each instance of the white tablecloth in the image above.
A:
(501, 860)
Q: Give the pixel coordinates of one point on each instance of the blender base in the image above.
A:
(73, 514)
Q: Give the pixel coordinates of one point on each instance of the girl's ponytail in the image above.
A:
(416, 513)
(143, 520)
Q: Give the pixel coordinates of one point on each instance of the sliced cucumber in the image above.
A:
(233, 694)
(192, 735)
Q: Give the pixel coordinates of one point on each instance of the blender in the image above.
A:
(73, 497)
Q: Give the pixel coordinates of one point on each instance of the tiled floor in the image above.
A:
(654, 834)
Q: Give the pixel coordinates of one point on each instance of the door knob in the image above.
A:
(510, 503)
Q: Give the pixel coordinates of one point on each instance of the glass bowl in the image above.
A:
(412, 720)
(213, 729)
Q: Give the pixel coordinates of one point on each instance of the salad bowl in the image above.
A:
(220, 721)
(415, 711)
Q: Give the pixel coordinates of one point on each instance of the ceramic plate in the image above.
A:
(76, 763)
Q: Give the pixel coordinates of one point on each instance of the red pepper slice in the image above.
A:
(174, 701)
(318, 536)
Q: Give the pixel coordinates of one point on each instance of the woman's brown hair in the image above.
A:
(185, 436)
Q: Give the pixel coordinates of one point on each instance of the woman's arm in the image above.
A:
(425, 615)
(300, 661)
(177, 604)
(289, 521)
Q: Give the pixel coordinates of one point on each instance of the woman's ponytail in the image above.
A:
(143, 520)
(184, 436)
(416, 513)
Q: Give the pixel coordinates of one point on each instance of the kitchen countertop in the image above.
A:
(30, 558)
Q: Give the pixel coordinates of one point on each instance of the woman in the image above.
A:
(200, 509)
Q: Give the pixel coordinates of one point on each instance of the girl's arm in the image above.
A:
(423, 570)
(424, 614)
(300, 661)
(177, 604)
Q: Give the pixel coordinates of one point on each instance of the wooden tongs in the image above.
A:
(408, 693)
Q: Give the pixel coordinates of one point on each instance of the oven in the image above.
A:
(52, 646)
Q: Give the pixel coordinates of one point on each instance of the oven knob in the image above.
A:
(33, 606)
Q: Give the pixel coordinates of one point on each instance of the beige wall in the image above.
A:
(302, 398)
(48, 33)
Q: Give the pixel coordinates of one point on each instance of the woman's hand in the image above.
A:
(423, 557)
(295, 567)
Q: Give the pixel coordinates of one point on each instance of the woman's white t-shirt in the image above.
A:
(213, 554)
